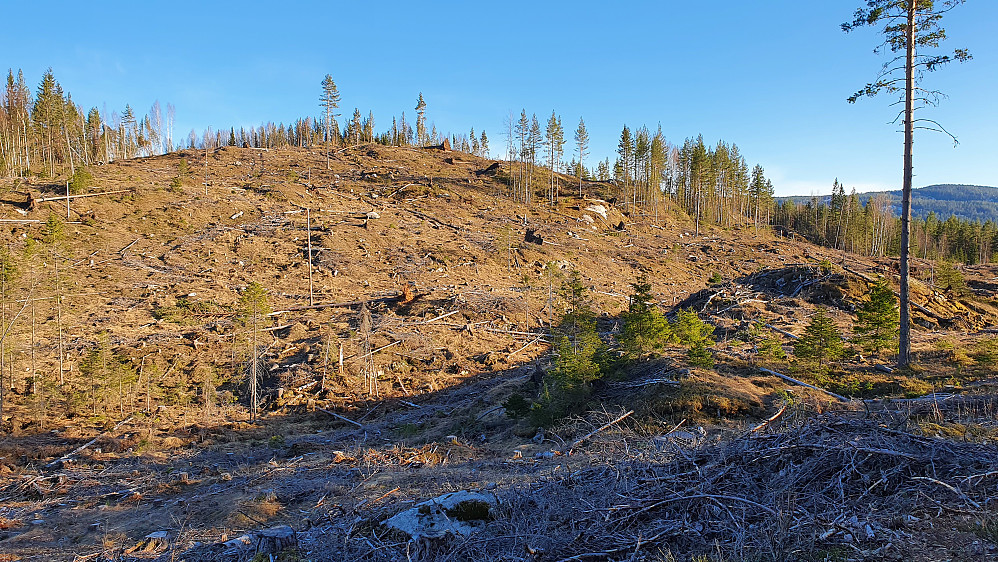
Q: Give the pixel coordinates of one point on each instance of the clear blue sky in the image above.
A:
(771, 76)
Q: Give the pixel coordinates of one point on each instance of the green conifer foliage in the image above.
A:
(694, 333)
(949, 278)
(80, 181)
(821, 342)
(877, 319)
(765, 344)
(645, 327)
(54, 230)
(690, 330)
(580, 357)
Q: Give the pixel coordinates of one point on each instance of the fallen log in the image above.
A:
(784, 332)
(444, 146)
(808, 284)
(608, 424)
(58, 462)
(434, 219)
(65, 197)
(332, 305)
(804, 384)
(770, 419)
(913, 304)
(490, 171)
(339, 417)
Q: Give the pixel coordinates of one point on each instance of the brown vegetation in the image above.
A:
(155, 362)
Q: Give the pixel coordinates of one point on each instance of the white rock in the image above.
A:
(598, 209)
(457, 513)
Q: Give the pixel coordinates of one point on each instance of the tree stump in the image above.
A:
(276, 539)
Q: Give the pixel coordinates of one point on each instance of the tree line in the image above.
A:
(872, 228)
(45, 131)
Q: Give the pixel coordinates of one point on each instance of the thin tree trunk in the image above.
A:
(308, 228)
(253, 375)
(58, 300)
(34, 374)
(904, 353)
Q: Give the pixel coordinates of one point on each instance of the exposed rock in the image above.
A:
(598, 209)
(457, 514)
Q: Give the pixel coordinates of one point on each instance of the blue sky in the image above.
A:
(771, 76)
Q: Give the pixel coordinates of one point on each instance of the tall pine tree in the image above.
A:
(911, 31)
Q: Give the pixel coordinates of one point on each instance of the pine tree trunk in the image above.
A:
(58, 301)
(253, 374)
(904, 353)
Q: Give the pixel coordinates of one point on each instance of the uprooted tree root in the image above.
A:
(833, 485)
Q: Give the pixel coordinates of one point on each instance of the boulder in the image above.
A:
(457, 514)
(598, 209)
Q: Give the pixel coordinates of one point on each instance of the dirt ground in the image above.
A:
(458, 300)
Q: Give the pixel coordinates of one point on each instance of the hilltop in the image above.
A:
(438, 290)
(968, 202)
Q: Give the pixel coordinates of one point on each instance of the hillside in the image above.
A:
(968, 202)
(126, 419)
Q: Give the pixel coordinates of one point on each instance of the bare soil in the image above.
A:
(459, 300)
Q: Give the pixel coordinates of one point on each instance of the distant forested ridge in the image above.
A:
(967, 202)
(868, 223)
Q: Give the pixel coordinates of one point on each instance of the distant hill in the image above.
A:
(970, 202)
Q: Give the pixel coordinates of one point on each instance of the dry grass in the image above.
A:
(166, 303)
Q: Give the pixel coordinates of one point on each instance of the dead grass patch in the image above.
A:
(707, 394)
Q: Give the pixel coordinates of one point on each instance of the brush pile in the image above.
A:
(860, 489)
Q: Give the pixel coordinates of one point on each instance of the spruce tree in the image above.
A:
(759, 193)
(877, 319)
(694, 333)
(625, 148)
(555, 142)
(580, 354)
(534, 141)
(950, 279)
(645, 327)
(821, 342)
(354, 128)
